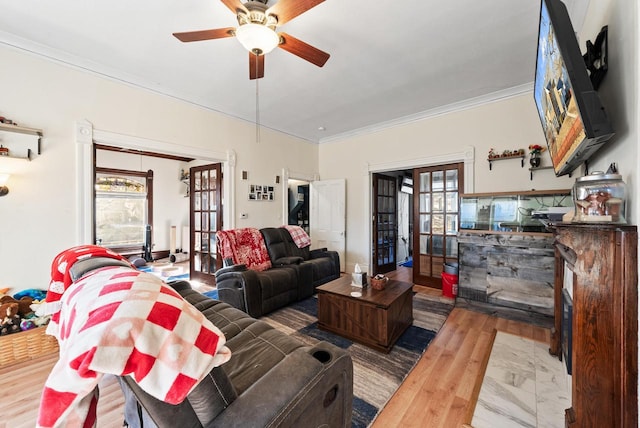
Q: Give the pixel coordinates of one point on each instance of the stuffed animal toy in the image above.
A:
(27, 325)
(10, 320)
(39, 321)
(24, 305)
(8, 310)
(11, 325)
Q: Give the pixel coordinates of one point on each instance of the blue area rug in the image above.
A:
(376, 376)
(213, 294)
(408, 263)
(149, 269)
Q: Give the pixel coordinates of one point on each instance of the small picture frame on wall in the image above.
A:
(259, 192)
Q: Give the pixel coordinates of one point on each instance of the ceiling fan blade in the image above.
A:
(256, 66)
(235, 6)
(195, 36)
(286, 10)
(303, 50)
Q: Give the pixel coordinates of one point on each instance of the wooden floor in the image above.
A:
(440, 391)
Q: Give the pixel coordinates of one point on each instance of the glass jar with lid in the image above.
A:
(599, 198)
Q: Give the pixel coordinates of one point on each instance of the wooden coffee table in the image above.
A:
(376, 319)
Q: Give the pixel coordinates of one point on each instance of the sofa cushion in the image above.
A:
(323, 270)
(276, 247)
(256, 351)
(280, 286)
(255, 346)
(207, 400)
(291, 248)
(244, 246)
(212, 395)
(288, 261)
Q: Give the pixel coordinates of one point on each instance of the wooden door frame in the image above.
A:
(86, 136)
(465, 155)
(284, 186)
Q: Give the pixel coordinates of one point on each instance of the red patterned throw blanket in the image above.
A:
(244, 246)
(299, 236)
(117, 320)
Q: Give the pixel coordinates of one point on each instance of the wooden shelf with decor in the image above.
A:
(25, 154)
(537, 168)
(491, 159)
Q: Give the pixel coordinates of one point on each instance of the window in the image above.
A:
(123, 208)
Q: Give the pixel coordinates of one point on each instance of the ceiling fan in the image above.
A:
(256, 31)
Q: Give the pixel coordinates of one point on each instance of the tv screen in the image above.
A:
(574, 122)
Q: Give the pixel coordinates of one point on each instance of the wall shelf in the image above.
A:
(37, 133)
(537, 168)
(532, 169)
(521, 157)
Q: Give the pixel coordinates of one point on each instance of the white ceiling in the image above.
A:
(391, 61)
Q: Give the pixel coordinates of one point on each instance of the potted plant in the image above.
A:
(534, 151)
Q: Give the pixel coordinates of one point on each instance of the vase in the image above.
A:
(535, 160)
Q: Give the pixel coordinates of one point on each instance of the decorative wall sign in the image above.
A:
(258, 192)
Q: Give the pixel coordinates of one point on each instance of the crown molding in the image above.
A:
(438, 111)
(82, 64)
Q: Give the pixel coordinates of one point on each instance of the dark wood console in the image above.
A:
(600, 264)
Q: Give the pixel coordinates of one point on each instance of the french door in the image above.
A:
(205, 194)
(436, 192)
(385, 224)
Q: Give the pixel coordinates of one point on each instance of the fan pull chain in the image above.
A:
(257, 104)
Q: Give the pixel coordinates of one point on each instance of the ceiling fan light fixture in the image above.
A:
(257, 38)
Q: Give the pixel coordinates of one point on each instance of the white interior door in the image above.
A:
(328, 216)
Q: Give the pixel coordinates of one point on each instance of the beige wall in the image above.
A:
(507, 124)
(38, 217)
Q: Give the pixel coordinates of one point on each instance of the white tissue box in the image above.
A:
(359, 279)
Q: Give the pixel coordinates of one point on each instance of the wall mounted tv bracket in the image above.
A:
(597, 57)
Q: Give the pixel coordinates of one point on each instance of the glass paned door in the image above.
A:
(437, 211)
(205, 184)
(385, 225)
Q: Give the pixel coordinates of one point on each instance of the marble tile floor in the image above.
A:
(523, 386)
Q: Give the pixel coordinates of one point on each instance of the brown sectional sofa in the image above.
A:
(294, 275)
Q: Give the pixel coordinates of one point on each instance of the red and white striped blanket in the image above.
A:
(117, 320)
(299, 236)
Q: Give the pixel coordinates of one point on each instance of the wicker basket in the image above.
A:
(379, 284)
(26, 345)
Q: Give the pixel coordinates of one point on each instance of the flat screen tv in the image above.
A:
(574, 122)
